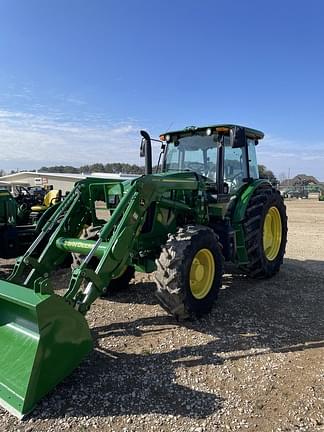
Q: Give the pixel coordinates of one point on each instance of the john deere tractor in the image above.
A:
(204, 206)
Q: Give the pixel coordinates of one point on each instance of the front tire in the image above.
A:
(265, 229)
(189, 272)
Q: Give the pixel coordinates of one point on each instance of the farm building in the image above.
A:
(302, 186)
(299, 180)
(62, 181)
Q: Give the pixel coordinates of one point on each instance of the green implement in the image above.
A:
(38, 332)
(204, 205)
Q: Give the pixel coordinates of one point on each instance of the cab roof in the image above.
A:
(222, 128)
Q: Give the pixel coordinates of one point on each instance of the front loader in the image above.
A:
(204, 206)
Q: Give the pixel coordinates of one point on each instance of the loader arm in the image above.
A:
(42, 256)
(120, 232)
(116, 238)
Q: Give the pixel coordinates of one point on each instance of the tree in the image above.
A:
(98, 167)
(265, 173)
(60, 169)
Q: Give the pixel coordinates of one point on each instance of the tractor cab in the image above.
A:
(223, 154)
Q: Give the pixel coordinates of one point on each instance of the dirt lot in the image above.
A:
(255, 363)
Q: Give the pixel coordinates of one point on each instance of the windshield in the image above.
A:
(193, 153)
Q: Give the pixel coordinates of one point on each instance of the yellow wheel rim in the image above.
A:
(272, 233)
(202, 272)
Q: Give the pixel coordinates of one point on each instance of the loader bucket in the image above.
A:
(42, 340)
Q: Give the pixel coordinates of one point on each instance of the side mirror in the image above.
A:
(146, 141)
(142, 147)
(237, 137)
(225, 188)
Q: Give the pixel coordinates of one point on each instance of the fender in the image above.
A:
(243, 199)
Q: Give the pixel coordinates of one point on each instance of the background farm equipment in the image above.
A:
(21, 216)
(206, 205)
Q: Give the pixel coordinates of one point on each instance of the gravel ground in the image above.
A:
(254, 363)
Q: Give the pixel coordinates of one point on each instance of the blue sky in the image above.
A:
(78, 79)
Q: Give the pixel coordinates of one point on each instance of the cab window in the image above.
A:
(193, 153)
(253, 164)
(234, 167)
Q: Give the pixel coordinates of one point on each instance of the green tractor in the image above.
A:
(21, 218)
(205, 205)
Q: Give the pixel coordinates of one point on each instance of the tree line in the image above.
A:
(126, 168)
(123, 168)
(116, 167)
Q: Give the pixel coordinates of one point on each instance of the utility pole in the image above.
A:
(288, 176)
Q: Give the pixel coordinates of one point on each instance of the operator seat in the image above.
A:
(52, 197)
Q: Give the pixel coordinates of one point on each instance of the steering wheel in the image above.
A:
(21, 189)
(234, 182)
(194, 166)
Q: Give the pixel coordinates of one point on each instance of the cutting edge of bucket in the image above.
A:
(11, 410)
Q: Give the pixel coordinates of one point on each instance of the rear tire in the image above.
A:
(265, 229)
(189, 272)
